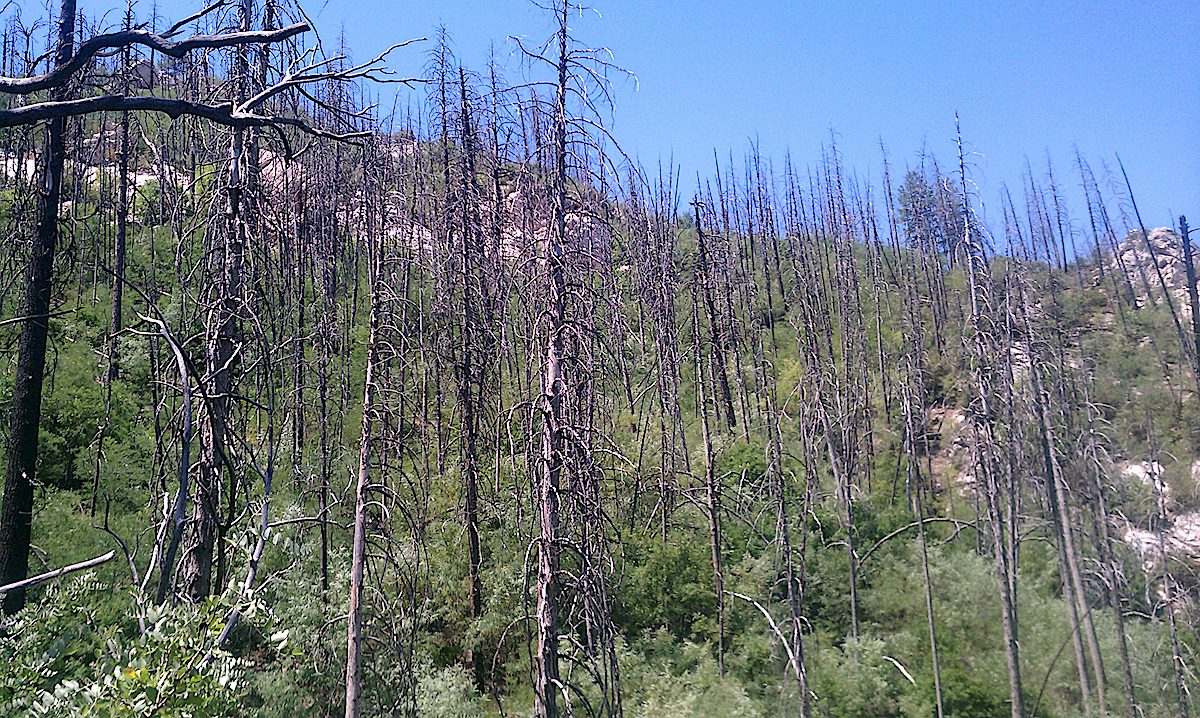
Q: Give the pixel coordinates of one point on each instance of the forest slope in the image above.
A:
(469, 415)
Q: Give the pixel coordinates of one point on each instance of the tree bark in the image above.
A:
(546, 683)
(712, 487)
(206, 548)
(1189, 264)
(469, 370)
(16, 518)
(354, 639)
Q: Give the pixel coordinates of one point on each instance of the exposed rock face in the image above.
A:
(12, 167)
(1181, 530)
(1138, 262)
(525, 227)
(1181, 539)
(525, 217)
(1150, 475)
(952, 445)
(952, 455)
(143, 75)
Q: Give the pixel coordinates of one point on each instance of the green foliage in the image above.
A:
(855, 680)
(964, 695)
(743, 460)
(673, 680)
(446, 693)
(63, 658)
(668, 586)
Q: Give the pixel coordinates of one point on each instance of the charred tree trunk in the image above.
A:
(546, 679)
(717, 361)
(118, 273)
(1189, 264)
(206, 548)
(16, 518)
(469, 372)
(712, 487)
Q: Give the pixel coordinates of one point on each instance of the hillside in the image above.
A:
(470, 415)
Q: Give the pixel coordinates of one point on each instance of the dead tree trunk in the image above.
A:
(1108, 562)
(718, 351)
(470, 369)
(354, 638)
(547, 683)
(712, 487)
(1189, 264)
(118, 272)
(205, 544)
(981, 350)
(912, 407)
(1179, 668)
(25, 415)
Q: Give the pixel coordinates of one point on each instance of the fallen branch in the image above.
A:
(50, 575)
(31, 317)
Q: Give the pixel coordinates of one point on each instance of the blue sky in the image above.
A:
(1027, 78)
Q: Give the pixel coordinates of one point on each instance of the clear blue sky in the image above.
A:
(1027, 77)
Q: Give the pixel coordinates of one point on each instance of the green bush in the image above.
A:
(62, 659)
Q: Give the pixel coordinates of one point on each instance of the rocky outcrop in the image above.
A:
(1139, 261)
(1149, 474)
(950, 440)
(1180, 538)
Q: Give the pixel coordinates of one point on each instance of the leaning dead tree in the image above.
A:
(370, 420)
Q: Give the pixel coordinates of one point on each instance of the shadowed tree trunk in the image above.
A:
(16, 516)
(1189, 264)
(206, 547)
(470, 368)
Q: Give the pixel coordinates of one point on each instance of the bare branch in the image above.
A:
(222, 114)
(50, 575)
(126, 38)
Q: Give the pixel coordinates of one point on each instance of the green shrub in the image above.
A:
(60, 659)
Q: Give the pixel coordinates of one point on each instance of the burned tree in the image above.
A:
(568, 471)
(24, 416)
